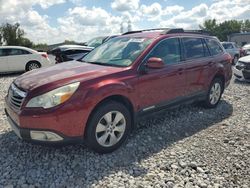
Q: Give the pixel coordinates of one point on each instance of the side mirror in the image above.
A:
(155, 63)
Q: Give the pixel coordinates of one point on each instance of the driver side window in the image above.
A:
(168, 50)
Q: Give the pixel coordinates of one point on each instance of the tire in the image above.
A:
(103, 134)
(32, 65)
(214, 93)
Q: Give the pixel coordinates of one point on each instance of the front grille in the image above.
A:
(16, 96)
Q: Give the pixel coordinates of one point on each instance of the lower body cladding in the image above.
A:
(241, 74)
(37, 134)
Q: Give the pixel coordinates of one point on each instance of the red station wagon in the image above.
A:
(99, 99)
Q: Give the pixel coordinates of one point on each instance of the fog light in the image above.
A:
(45, 136)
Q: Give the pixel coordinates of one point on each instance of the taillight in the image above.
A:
(229, 58)
(45, 55)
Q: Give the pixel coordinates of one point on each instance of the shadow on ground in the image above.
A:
(75, 165)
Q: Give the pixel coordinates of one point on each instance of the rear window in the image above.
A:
(227, 45)
(214, 47)
(194, 48)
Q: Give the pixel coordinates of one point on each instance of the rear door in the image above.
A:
(198, 62)
(159, 87)
(3, 61)
(17, 59)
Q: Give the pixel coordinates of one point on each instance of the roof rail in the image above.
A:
(170, 31)
(140, 31)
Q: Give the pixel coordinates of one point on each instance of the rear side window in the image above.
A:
(168, 50)
(194, 48)
(3, 52)
(214, 47)
(17, 52)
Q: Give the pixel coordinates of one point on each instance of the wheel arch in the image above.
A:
(117, 98)
(220, 76)
(32, 61)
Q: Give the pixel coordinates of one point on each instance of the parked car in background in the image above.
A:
(242, 69)
(246, 48)
(69, 52)
(17, 58)
(233, 50)
(99, 100)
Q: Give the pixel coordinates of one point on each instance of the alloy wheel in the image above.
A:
(110, 128)
(215, 93)
(33, 66)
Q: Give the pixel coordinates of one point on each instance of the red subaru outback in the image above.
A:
(97, 100)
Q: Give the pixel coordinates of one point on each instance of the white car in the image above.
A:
(17, 58)
(246, 48)
(242, 69)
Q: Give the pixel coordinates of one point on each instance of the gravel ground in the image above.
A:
(184, 147)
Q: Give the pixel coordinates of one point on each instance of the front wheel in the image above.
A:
(108, 127)
(214, 93)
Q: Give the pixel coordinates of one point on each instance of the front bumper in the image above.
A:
(242, 75)
(40, 136)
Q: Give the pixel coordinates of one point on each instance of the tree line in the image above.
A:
(223, 29)
(12, 34)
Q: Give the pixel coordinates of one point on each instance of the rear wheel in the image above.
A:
(108, 127)
(32, 65)
(214, 93)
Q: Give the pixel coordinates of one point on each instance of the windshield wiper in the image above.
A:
(103, 64)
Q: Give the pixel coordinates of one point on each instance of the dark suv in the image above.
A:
(99, 99)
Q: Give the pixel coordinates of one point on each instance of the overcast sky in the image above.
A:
(53, 21)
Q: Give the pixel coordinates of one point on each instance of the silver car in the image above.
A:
(233, 50)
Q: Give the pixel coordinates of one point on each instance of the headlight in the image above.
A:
(54, 97)
(240, 64)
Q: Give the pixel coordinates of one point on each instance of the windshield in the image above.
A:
(95, 42)
(118, 51)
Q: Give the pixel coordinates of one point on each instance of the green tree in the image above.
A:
(41, 47)
(246, 26)
(228, 27)
(12, 34)
(1, 38)
(210, 26)
(223, 29)
(26, 42)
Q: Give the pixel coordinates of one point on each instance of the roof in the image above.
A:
(154, 33)
(76, 47)
(19, 47)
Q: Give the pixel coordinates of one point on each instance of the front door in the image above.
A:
(161, 86)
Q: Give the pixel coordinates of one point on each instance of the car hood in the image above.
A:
(245, 59)
(62, 73)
